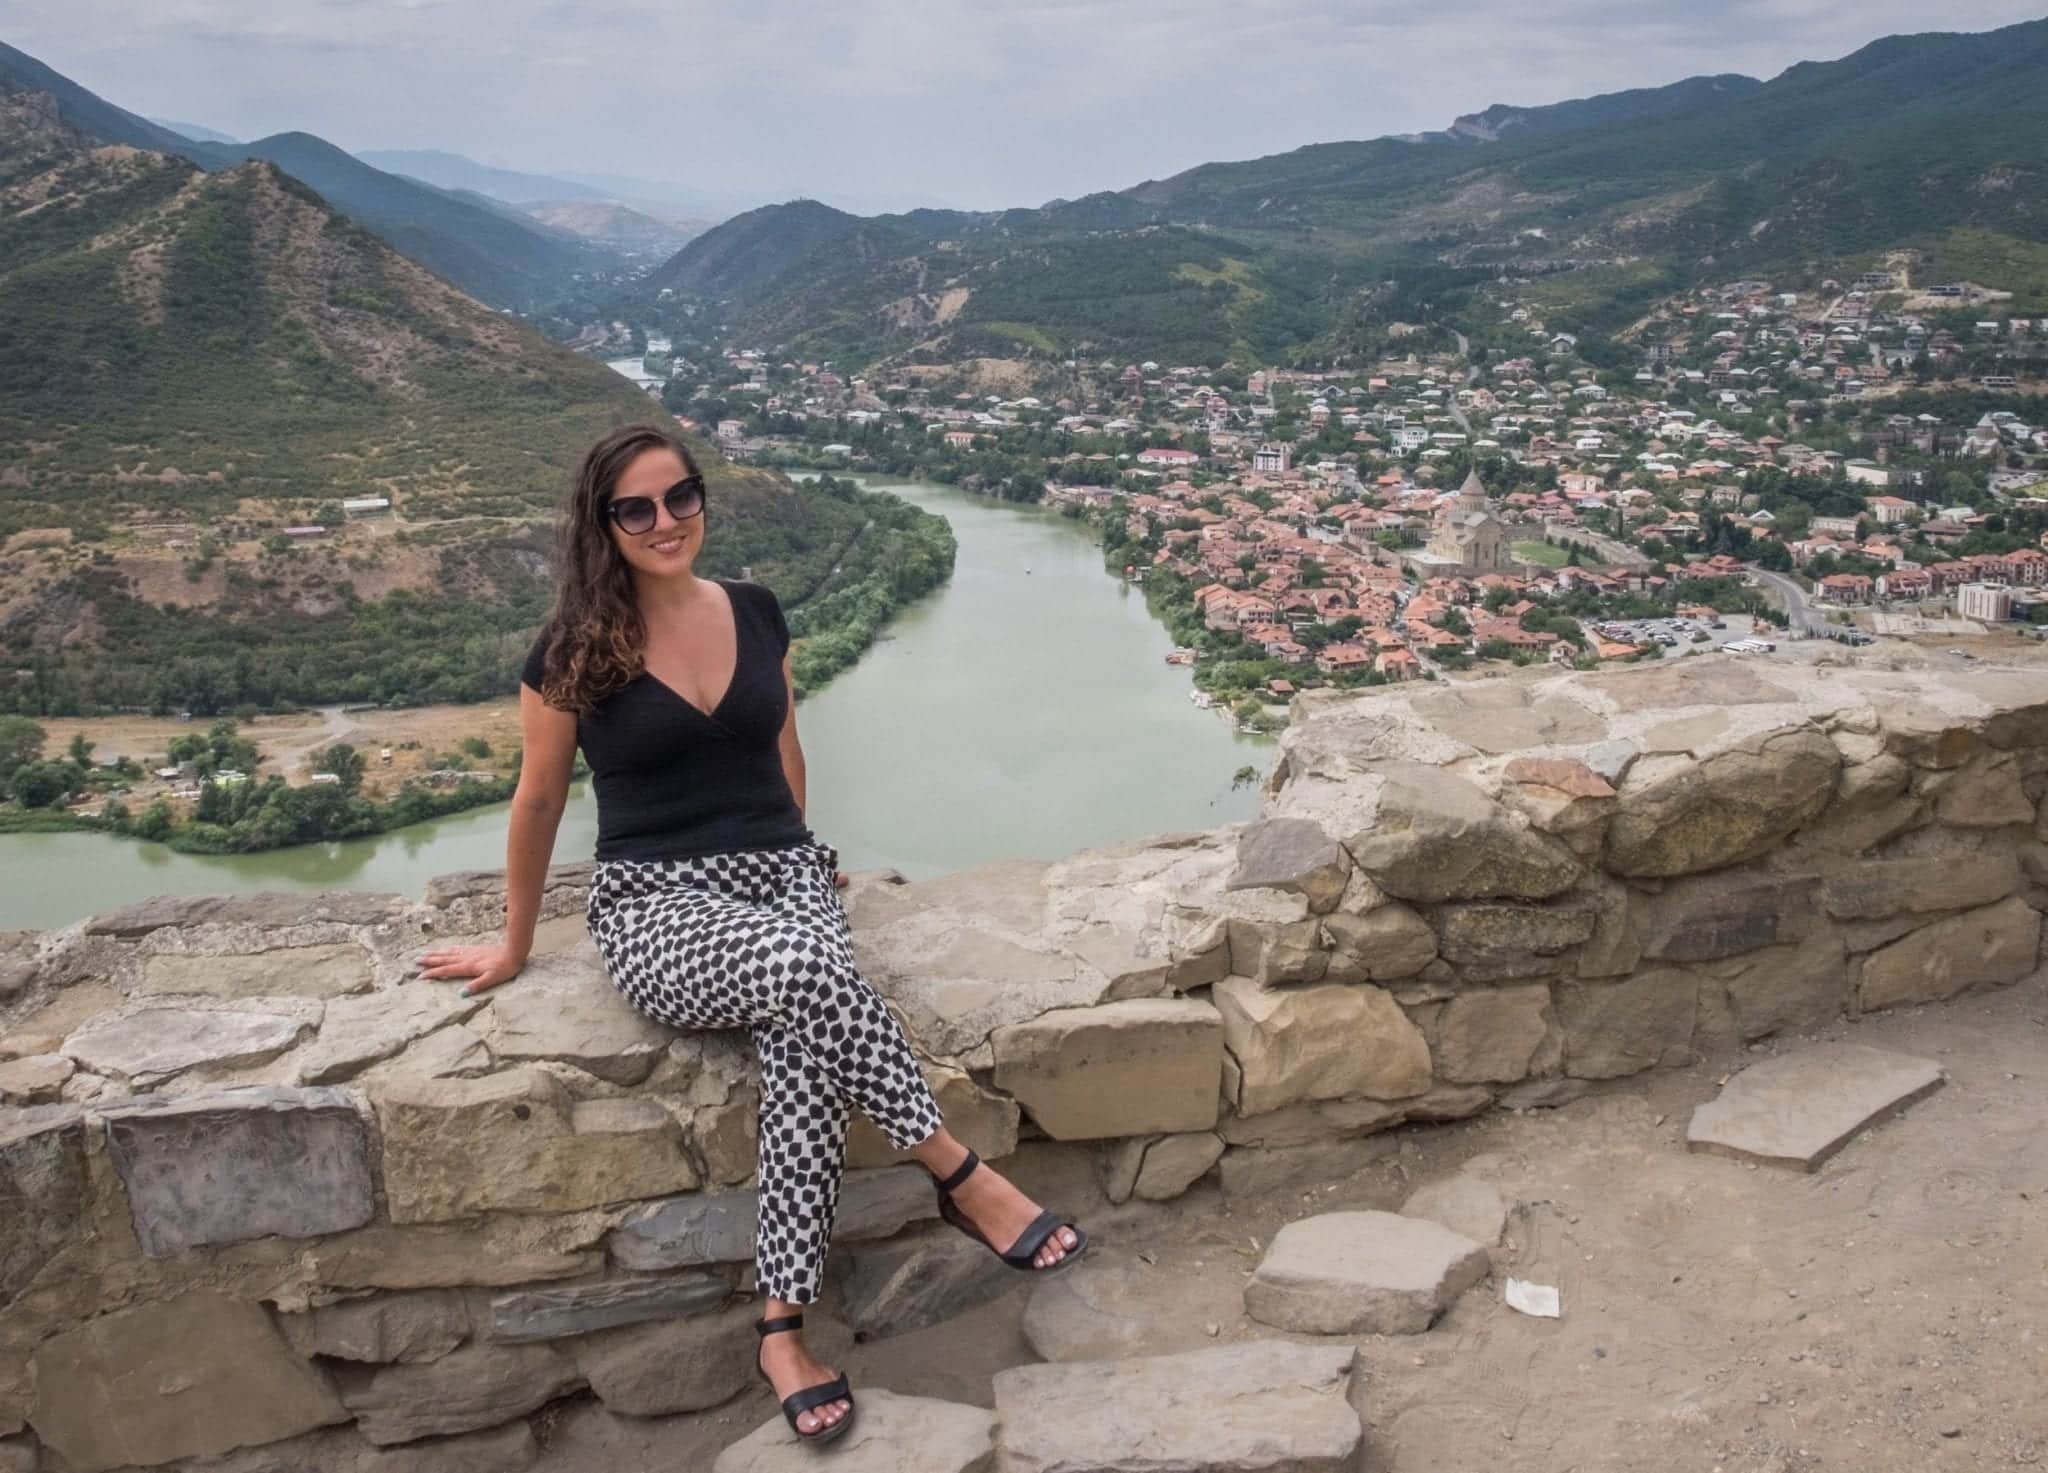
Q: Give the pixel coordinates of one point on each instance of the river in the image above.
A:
(1023, 709)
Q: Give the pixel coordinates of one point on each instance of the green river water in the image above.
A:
(1023, 710)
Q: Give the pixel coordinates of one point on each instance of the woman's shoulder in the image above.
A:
(759, 601)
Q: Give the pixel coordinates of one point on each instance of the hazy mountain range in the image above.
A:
(1930, 142)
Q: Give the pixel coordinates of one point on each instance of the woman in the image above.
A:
(711, 903)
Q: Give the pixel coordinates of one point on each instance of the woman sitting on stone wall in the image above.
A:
(711, 903)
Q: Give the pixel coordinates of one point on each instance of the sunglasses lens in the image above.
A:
(634, 514)
(685, 499)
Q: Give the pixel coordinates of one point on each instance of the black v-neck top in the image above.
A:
(676, 782)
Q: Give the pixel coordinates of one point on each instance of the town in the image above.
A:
(1829, 463)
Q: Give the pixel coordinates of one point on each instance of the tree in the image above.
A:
(80, 750)
(21, 740)
(346, 763)
(41, 784)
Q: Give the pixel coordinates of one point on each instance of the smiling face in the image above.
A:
(669, 548)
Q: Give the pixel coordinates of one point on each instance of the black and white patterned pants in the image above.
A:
(759, 940)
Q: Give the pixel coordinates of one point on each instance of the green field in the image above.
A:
(1540, 553)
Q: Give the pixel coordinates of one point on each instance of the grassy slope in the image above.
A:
(216, 355)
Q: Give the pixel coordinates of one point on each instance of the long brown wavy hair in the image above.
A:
(596, 641)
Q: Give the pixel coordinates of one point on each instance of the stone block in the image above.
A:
(1108, 1309)
(1686, 816)
(1981, 796)
(1174, 1163)
(513, 1142)
(1146, 1066)
(1616, 1028)
(474, 1387)
(1463, 1203)
(1498, 941)
(234, 1164)
(37, 1079)
(572, 1014)
(260, 908)
(1260, 1407)
(290, 971)
(918, 1280)
(984, 1121)
(181, 1378)
(1994, 944)
(506, 1449)
(582, 1309)
(490, 1252)
(153, 1044)
(1880, 889)
(1361, 1273)
(1788, 987)
(1491, 1036)
(42, 1190)
(1707, 917)
(1323, 1042)
(383, 1330)
(947, 1438)
(1801, 1108)
(1274, 937)
(1292, 854)
(357, 1032)
(718, 1227)
(669, 1366)
(1384, 944)
(1432, 836)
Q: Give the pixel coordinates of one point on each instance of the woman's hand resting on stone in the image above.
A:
(484, 966)
(839, 878)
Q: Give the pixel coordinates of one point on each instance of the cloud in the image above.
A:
(971, 102)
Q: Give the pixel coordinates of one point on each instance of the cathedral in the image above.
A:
(1468, 539)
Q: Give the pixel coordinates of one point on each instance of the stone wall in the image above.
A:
(260, 1190)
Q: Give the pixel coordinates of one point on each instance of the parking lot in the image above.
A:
(1678, 635)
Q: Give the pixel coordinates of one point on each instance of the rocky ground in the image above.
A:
(1889, 1311)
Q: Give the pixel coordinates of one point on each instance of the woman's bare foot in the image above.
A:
(989, 1201)
(790, 1367)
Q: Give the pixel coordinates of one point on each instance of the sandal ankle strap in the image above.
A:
(765, 1328)
(961, 1172)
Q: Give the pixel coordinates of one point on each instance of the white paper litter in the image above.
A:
(1539, 1300)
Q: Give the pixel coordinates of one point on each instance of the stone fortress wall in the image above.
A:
(256, 1185)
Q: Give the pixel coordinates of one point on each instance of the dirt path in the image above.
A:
(1889, 1312)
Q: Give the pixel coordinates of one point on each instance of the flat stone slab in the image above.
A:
(580, 1309)
(718, 1227)
(1800, 1109)
(151, 1045)
(890, 1434)
(1261, 1407)
(1463, 1203)
(1108, 1309)
(234, 1164)
(1350, 1273)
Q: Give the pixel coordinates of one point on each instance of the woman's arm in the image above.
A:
(792, 749)
(546, 763)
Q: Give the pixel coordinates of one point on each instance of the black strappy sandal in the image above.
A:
(1022, 1253)
(811, 1397)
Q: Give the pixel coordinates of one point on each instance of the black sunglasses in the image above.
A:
(635, 514)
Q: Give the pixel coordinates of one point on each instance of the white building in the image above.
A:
(1986, 601)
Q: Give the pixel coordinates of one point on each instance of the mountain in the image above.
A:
(1914, 141)
(195, 132)
(497, 257)
(453, 171)
(615, 226)
(192, 362)
(1502, 120)
(505, 260)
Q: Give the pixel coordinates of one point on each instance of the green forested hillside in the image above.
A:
(193, 363)
(502, 258)
(1903, 144)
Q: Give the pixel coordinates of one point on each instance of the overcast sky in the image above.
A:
(970, 103)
